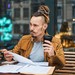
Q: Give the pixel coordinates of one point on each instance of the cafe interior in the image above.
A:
(14, 23)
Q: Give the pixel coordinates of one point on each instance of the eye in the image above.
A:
(35, 25)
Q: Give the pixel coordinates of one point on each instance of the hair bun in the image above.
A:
(44, 9)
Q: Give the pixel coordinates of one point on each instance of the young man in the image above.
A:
(32, 46)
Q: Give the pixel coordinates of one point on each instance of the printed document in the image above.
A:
(9, 68)
(31, 69)
(26, 66)
(21, 59)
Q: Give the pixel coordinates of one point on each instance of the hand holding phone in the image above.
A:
(48, 37)
(47, 45)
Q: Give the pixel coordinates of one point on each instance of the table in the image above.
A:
(21, 74)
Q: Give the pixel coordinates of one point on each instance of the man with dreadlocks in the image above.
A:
(31, 46)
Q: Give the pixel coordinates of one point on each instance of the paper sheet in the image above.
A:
(31, 69)
(9, 68)
(21, 59)
(41, 63)
(34, 69)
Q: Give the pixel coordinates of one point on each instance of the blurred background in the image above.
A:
(15, 16)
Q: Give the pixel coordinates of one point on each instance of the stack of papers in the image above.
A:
(9, 68)
(25, 66)
(30, 69)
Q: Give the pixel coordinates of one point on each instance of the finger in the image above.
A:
(46, 51)
(6, 53)
(8, 56)
(45, 48)
(3, 50)
(48, 42)
(46, 45)
(9, 59)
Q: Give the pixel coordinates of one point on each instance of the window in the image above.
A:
(16, 12)
(17, 28)
(35, 1)
(21, 29)
(25, 1)
(25, 13)
(73, 11)
(25, 29)
(59, 26)
(59, 12)
(73, 28)
(16, 1)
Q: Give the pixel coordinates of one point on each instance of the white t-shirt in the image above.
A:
(37, 54)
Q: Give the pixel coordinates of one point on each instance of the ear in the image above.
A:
(45, 26)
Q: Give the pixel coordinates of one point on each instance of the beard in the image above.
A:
(34, 36)
(32, 33)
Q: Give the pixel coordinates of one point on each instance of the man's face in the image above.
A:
(37, 26)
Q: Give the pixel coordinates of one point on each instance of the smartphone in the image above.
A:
(48, 37)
